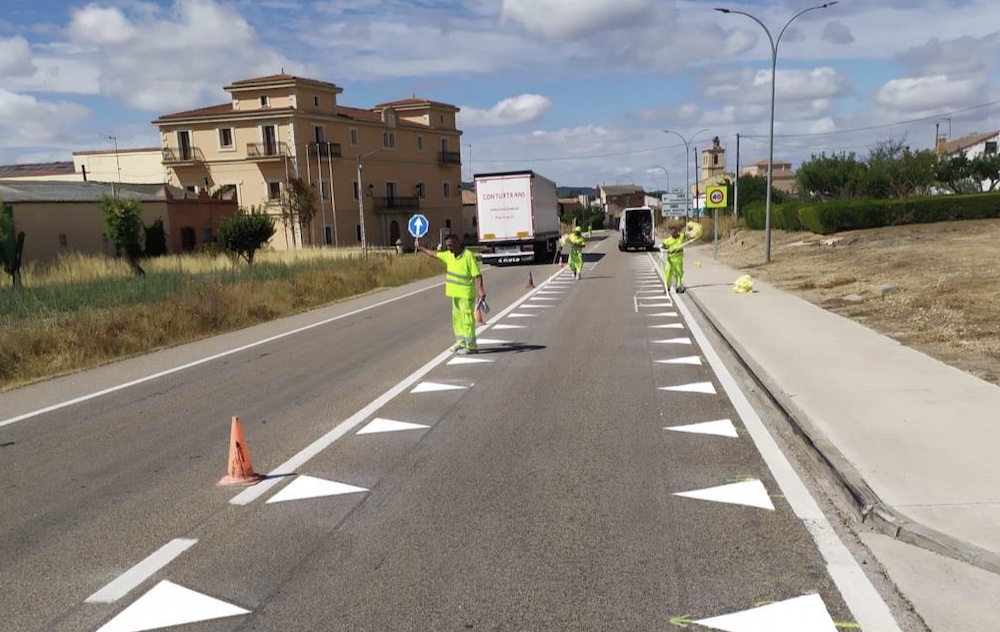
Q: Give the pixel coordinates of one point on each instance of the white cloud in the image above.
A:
(25, 119)
(15, 58)
(836, 32)
(919, 94)
(99, 25)
(524, 108)
(569, 19)
(792, 86)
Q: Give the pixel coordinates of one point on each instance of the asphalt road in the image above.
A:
(539, 489)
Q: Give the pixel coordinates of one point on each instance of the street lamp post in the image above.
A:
(770, 151)
(361, 203)
(665, 172)
(687, 168)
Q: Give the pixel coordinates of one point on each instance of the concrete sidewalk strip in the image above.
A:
(922, 436)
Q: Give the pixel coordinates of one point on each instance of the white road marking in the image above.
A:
(865, 604)
(748, 493)
(311, 487)
(435, 387)
(719, 428)
(673, 341)
(142, 571)
(467, 360)
(168, 604)
(503, 326)
(379, 424)
(684, 360)
(668, 326)
(801, 614)
(695, 387)
(663, 315)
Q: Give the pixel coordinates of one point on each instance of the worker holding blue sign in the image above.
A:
(463, 283)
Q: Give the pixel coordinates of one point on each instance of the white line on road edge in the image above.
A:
(189, 365)
(858, 592)
(141, 571)
(290, 466)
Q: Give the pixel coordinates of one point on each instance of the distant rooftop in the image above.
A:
(18, 191)
(29, 170)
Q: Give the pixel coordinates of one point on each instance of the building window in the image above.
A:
(420, 143)
(225, 138)
(715, 159)
(447, 223)
(357, 228)
(264, 101)
(206, 235)
(354, 137)
(273, 190)
(63, 241)
(389, 140)
(991, 147)
(315, 101)
(421, 191)
(324, 189)
(190, 188)
(447, 189)
(319, 134)
(355, 187)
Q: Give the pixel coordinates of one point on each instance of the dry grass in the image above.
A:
(944, 301)
(98, 313)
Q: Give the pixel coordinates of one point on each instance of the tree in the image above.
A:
(825, 177)
(11, 245)
(986, 168)
(298, 205)
(244, 233)
(754, 189)
(899, 173)
(955, 173)
(123, 226)
(156, 239)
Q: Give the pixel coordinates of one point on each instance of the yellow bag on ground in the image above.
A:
(743, 285)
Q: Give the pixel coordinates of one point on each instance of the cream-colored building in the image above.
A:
(782, 175)
(142, 165)
(371, 170)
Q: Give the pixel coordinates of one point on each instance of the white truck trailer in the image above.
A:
(517, 217)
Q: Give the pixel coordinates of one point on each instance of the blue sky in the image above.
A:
(578, 90)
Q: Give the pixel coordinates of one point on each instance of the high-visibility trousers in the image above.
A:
(576, 260)
(463, 321)
(675, 271)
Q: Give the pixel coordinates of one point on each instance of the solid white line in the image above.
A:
(858, 592)
(141, 571)
(281, 472)
(184, 367)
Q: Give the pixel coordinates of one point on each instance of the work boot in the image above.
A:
(681, 289)
(467, 351)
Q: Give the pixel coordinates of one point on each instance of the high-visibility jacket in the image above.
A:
(576, 242)
(671, 244)
(460, 278)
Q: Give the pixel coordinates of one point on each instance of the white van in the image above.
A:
(635, 229)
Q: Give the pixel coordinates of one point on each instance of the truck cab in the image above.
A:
(635, 229)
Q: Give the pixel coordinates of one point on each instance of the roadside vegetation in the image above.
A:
(80, 312)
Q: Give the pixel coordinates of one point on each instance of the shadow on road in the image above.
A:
(515, 347)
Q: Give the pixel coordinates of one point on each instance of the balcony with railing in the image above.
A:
(449, 158)
(325, 150)
(182, 156)
(267, 150)
(396, 204)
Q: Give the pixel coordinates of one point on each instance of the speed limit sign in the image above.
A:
(716, 197)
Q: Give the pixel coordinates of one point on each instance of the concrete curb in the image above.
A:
(854, 490)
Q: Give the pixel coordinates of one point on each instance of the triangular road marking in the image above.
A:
(674, 341)
(311, 487)
(668, 326)
(516, 315)
(543, 298)
(388, 425)
(491, 341)
(720, 428)
(433, 387)
(656, 304)
(695, 387)
(663, 314)
(801, 614)
(685, 360)
(749, 493)
(503, 326)
(168, 604)
(530, 306)
(467, 360)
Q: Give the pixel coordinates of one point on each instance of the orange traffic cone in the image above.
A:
(530, 285)
(240, 469)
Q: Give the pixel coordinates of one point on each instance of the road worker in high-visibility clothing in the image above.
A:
(576, 243)
(463, 284)
(674, 270)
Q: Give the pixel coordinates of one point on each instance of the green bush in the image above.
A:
(852, 214)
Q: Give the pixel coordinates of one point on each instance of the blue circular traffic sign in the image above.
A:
(418, 225)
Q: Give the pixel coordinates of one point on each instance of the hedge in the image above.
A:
(838, 215)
